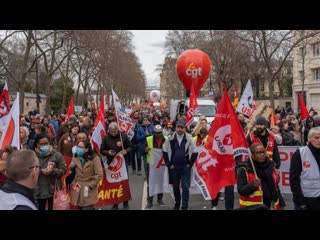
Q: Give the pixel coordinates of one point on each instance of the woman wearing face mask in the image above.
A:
(88, 173)
(52, 168)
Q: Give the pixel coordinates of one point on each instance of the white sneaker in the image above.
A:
(214, 208)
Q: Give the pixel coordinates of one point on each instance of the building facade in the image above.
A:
(30, 101)
(306, 73)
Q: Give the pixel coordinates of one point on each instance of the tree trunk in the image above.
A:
(271, 93)
(25, 69)
(49, 80)
(77, 93)
(65, 83)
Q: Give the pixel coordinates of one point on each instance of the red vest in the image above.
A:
(255, 198)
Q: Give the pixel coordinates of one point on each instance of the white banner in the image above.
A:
(285, 157)
(116, 171)
(156, 172)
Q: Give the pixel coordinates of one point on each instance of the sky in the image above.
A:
(149, 48)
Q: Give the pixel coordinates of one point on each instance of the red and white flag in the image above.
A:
(193, 106)
(125, 122)
(4, 105)
(10, 134)
(70, 109)
(99, 131)
(215, 166)
(247, 104)
(114, 187)
(102, 109)
(304, 114)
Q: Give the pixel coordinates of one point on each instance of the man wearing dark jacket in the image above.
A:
(305, 173)
(23, 172)
(179, 154)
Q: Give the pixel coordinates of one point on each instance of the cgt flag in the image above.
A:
(114, 187)
(193, 106)
(215, 166)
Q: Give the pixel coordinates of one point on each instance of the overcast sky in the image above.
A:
(149, 47)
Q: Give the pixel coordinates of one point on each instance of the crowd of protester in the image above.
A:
(53, 140)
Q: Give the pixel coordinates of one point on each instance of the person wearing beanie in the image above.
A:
(268, 140)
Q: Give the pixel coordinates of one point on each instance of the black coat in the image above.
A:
(114, 143)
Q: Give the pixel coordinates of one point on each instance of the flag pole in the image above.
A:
(119, 131)
(253, 167)
(115, 107)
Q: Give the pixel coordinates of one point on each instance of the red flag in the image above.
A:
(193, 106)
(101, 108)
(10, 135)
(99, 131)
(215, 166)
(304, 114)
(70, 110)
(4, 105)
(272, 120)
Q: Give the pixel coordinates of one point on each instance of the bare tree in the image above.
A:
(275, 48)
(19, 54)
(49, 44)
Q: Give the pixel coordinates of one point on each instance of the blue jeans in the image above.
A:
(133, 154)
(141, 155)
(183, 175)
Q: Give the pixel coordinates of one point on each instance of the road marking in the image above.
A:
(144, 196)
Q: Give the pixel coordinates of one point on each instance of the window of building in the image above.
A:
(316, 74)
(261, 84)
(302, 51)
(27, 104)
(316, 49)
(301, 75)
(289, 71)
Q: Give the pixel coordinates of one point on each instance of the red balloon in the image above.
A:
(193, 66)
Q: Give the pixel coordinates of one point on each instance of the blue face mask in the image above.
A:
(44, 150)
(79, 152)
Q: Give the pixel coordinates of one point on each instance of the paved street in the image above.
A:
(196, 201)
